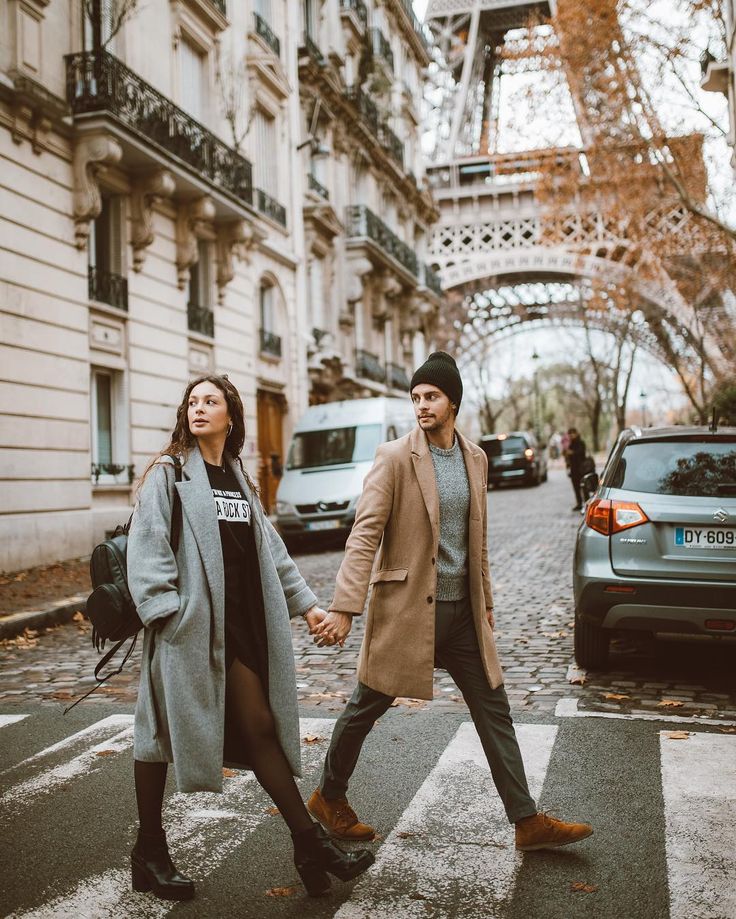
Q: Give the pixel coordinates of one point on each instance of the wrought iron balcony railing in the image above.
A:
(270, 343)
(358, 7)
(361, 221)
(430, 278)
(115, 469)
(107, 287)
(415, 22)
(221, 6)
(270, 207)
(369, 367)
(201, 319)
(396, 377)
(107, 85)
(263, 29)
(316, 186)
(380, 47)
(376, 123)
(311, 47)
(318, 335)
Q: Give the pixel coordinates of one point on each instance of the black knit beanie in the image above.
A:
(441, 371)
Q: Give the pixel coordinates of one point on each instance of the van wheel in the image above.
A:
(591, 645)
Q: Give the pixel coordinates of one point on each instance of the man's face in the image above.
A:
(432, 407)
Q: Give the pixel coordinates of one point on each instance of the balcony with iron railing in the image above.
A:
(309, 46)
(396, 377)
(270, 207)
(103, 84)
(368, 366)
(430, 278)
(361, 222)
(380, 47)
(316, 186)
(270, 343)
(221, 5)
(264, 31)
(416, 25)
(355, 6)
(376, 123)
(107, 287)
(201, 319)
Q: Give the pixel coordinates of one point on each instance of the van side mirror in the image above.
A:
(590, 483)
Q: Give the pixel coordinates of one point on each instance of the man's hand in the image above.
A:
(491, 618)
(334, 629)
(313, 617)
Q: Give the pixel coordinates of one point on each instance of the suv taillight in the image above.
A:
(609, 517)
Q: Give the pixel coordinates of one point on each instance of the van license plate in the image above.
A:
(323, 525)
(705, 538)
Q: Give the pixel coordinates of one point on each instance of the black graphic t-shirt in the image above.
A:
(245, 627)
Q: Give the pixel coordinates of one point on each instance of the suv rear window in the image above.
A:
(694, 468)
(507, 445)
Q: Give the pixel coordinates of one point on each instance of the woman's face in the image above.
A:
(207, 413)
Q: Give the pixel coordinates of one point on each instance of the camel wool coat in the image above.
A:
(397, 528)
(180, 713)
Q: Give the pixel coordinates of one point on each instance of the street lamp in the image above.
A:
(537, 432)
(643, 397)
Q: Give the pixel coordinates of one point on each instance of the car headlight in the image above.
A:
(284, 509)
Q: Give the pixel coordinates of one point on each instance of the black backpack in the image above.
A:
(110, 607)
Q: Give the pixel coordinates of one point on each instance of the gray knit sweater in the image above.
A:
(454, 492)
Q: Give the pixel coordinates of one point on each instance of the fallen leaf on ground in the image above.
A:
(670, 703)
(728, 730)
(677, 735)
(405, 834)
(105, 753)
(78, 617)
(408, 703)
(228, 773)
(615, 696)
(581, 887)
(312, 738)
(417, 896)
(273, 811)
(281, 892)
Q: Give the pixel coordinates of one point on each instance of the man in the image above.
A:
(423, 509)
(575, 455)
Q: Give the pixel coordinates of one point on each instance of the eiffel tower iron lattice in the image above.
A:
(501, 250)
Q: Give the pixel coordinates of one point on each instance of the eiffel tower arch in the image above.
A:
(496, 247)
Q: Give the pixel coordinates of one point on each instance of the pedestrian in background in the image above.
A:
(217, 673)
(423, 510)
(575, 455)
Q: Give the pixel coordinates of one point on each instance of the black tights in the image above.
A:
(248, 703)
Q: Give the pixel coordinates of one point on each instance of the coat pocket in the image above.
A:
(389, 574)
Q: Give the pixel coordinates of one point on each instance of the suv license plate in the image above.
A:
(323, 525)
(705, 538)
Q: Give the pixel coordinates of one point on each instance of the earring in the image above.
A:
(229, 429)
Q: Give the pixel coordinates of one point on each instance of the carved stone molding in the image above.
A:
(91, 155)
(146, 193)
(194, 221)
(234, 239)
(358, 268)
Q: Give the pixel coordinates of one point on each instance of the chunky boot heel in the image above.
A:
(152, 869)
(316, 856)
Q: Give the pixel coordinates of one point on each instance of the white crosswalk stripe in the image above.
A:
(5, 720)
(699, 787)
(473, 850)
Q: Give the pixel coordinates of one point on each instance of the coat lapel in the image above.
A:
(196, 500)
(424, 471)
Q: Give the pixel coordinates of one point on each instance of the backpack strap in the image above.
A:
(176, 519)
(104, 660)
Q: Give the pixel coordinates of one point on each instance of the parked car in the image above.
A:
(656, 551)
(514, 457)
(331, 451)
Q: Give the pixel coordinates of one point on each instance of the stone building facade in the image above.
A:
(179, 202)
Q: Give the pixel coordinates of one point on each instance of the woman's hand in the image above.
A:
(313, 617)
(334, 629)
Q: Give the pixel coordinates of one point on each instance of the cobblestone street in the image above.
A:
(531, 540)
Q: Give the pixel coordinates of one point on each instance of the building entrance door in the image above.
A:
(271, 409)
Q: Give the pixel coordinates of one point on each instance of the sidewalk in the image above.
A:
(38, 598)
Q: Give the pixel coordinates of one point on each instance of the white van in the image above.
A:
(331, 451)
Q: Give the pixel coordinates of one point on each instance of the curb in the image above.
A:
(57, 614)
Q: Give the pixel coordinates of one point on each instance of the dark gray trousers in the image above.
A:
(457, 651)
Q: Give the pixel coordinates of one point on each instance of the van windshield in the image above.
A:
(310, 449)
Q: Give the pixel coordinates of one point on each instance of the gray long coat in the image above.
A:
(180, 715)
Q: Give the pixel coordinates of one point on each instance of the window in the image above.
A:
(316, 293)
(270, 341)
(696, 468)
(105, 256)
(107, 10)
(266, 156)
(311, 18)
(199, 304)
(193, 83)
(109, 431)
(263, 8)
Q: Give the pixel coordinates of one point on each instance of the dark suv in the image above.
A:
(657, 549)
(514, 457)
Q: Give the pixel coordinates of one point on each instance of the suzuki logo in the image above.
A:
(721, 515)
(322, 506)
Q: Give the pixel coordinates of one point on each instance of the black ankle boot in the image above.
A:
(152, 869)
(316, 856)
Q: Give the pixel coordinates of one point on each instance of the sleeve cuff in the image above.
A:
(301, 602)
(158, 607)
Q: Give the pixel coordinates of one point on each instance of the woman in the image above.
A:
(217, 676)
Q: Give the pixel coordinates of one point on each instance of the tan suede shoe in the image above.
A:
(541, 831)
(338, 818)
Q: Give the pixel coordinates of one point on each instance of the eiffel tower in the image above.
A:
(493, 245)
